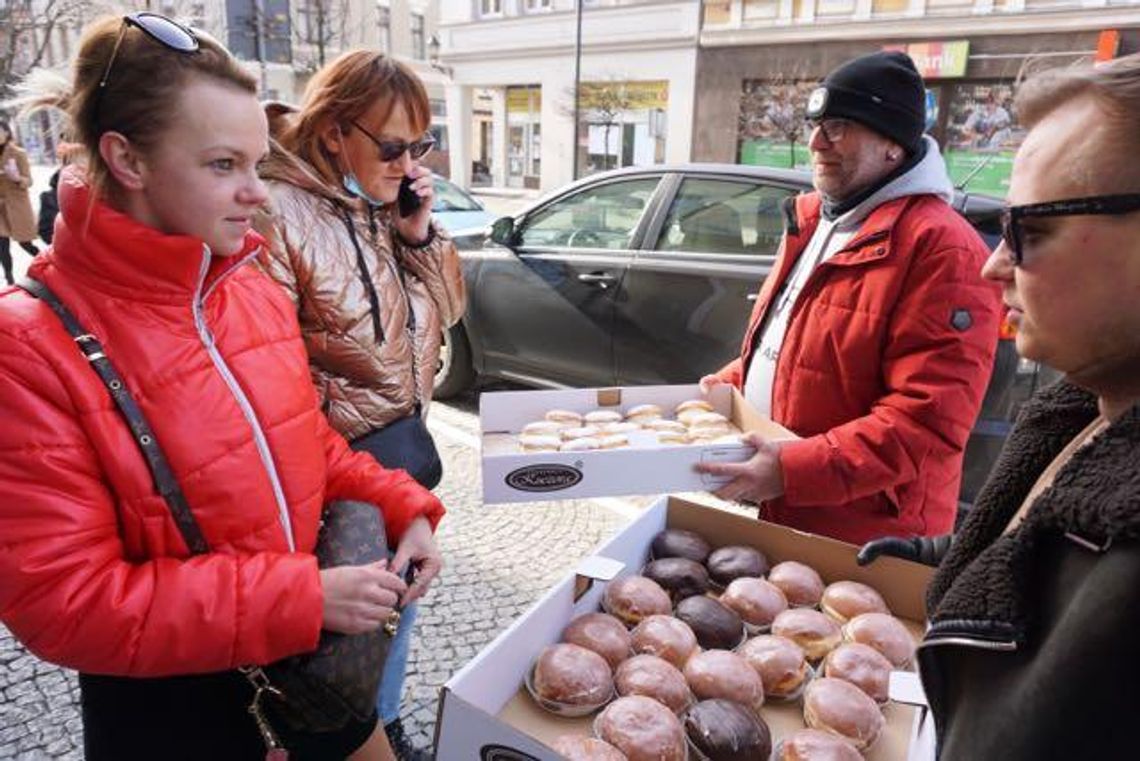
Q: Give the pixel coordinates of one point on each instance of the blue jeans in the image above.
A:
(396, 667)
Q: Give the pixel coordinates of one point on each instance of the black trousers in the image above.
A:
(193, 718)
(6, 255)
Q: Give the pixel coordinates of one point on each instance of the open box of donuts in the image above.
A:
(574, 443)
(696, 633)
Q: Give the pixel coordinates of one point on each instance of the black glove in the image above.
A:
(920, 549)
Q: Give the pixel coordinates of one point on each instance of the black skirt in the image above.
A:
(193, 718)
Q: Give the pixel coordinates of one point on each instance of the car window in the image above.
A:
(724, 217)
(601, 216)
(449, 197)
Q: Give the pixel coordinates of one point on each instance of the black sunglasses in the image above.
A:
(169, 34)
(390, 150)
(1012, 216)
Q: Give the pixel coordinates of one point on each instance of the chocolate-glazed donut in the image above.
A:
(728, 563)
(679, 543)
(723, 730)
(680, 577)
(716, 626)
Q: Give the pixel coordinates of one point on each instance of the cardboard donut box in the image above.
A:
(486, 714)
(510, 475)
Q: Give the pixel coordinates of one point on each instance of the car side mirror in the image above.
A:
(503, 231)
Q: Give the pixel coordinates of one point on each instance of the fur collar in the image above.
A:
(986, 576)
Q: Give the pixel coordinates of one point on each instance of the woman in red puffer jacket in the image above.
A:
(150, 255)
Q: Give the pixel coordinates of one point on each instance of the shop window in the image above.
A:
(772, 128)
(537, 5)
(724, 217)
(490, 7)
(982, 135)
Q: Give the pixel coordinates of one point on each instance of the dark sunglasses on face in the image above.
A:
(390, 150)
(833, 129)
(169, 34)
(1011, 218)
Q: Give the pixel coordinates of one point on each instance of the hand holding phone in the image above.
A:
(408, 200)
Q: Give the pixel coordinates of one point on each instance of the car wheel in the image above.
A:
(453, 373)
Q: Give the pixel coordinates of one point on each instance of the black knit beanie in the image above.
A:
(882, 91)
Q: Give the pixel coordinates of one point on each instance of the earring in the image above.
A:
(892, 156)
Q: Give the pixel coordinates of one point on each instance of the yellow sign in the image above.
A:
(523, 100)
(625, 96)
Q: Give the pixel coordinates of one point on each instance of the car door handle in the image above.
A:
(752, 296)
(596, 277)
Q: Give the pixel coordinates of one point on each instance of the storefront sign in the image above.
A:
(625, 96)
(1107, 45)
(937, 60)
(522, 100)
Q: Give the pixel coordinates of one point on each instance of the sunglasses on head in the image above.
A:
(169, 34)
(390, 150)
(1012, 216)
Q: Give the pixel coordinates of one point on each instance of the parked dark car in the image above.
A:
(647, 276)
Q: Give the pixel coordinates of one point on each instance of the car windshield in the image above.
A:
(448, 197)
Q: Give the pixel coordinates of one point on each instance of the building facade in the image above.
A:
(760, 58)
(512, 95)
(283, 42)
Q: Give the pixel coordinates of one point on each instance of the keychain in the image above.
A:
(274, 751)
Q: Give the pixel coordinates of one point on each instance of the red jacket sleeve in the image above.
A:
(71, 596)
(357, 476)
(935, 375)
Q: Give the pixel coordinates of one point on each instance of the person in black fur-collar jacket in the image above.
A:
(1033, 648)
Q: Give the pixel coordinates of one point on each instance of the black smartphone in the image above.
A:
(407, 201)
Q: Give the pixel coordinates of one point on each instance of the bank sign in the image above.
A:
(937, 60)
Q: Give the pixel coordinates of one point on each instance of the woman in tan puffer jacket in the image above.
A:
(374, 290)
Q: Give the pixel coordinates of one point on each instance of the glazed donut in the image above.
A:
(816, 633)
(817, 745)
(642, 729)
(781, 664)
(666, 637)
(632, 598)
(800, 583)
(572, 675)
(575, 748)
(654, 678)
(602, 633)
(756, 601)
(885, 633)
(843, 709)
(844, 600)
(863, 666)
(722, 674)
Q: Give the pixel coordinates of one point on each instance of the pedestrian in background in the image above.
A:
(151, 256)
(17, 220)
(1034, 613)
(873, 338)
(374, 281)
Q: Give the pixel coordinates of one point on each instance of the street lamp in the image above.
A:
(433, 56)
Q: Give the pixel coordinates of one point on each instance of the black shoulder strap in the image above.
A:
(164, 479)
(365, 278)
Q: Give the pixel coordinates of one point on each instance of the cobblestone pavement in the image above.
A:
(499, 559)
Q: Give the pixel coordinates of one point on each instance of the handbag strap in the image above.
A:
(156, 461)
(365, 278)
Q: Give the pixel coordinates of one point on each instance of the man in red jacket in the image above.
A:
(873, 337)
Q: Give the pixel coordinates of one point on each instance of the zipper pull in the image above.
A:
(274, 750)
